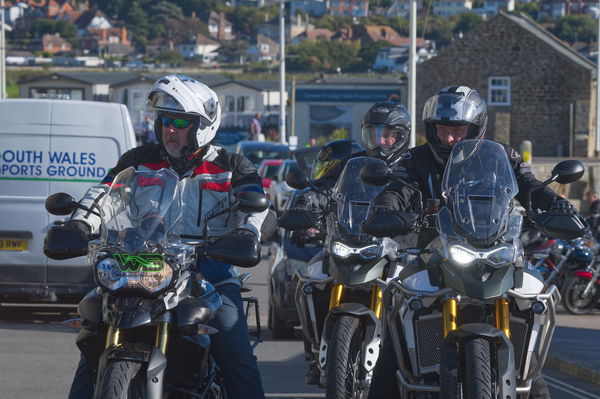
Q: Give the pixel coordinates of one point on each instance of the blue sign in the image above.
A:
(348, 95)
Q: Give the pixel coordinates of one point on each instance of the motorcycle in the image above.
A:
(347, 280)
(556, 259)
(581, 291)
(144, 330)
(464, 318)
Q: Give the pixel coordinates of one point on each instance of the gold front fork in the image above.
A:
(162, 336)
(336, 296)
(112, 337)
(450, 312)
(376, 301)
(503, 315)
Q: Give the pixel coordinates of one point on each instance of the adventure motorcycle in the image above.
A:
(144, 329)
(464, 317)
(347, 280)
(581, 291)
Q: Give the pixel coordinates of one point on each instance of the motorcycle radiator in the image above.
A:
(429, 335)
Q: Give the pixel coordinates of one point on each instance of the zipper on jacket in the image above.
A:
(199, 207)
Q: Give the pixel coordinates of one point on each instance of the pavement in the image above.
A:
(575, 347)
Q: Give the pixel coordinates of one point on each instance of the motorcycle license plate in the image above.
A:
(8, 244)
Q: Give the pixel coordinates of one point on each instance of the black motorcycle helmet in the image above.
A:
(454, 106)
(331, 159)
(386, 131)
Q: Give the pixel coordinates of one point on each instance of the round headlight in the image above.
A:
(156, 280)
(109, 274)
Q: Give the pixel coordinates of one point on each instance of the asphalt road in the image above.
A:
(38, 356)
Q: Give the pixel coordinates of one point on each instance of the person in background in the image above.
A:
(594, 218)
(255, 129)
(148, 135)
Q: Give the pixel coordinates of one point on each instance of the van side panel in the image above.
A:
(78, 142)
(24, 141)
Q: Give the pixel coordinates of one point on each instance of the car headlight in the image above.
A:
(151, 276)
(461, 255)
(341, 250)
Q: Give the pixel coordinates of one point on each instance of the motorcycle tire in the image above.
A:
(477, 383)
(572, 301)
(120, 382)
(278, 328)
(344, 357)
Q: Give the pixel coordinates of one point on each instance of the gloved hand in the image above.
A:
(78, 226)
(562, 205)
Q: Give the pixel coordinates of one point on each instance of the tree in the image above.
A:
(246, 19)
(44, 26)
(530, 9)
(576, 28)
(400, 25)
(323, 55)
(231, 51)
(466, 21)
(439, 29)
(368, 53)
(136, 21)
(333, 22)
(170, 57)
(164, 10)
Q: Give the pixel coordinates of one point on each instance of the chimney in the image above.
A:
(221, 34)
(123, 35)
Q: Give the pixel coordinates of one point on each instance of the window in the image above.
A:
(229, 104)
(63, 94)
(499, 90)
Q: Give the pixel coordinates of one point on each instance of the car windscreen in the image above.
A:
(256, 156)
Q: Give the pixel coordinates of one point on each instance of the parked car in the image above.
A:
(268, 171)
(49, 146)
(280, 192)
(286, 258)
(256, 151)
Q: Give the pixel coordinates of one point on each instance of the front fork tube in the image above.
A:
(376, 298)
(502, 313)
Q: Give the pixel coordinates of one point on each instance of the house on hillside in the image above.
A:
(263, 48)
(313, 35)
(536, 86)
(374, 33)
(201, 48)
(349, 8)
(51, 44)
(219, 28)
(448, 8)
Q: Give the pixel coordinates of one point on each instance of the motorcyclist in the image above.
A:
(187, 118)
(453, 114)
(385, 132)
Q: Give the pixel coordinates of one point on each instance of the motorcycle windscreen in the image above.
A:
(354, 197)
(141, 207)
(479, 185)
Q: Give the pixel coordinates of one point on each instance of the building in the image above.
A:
(536, 86)
(51, 44)
(219, 28)
(263, 48)
(349, 8)
(374, 33)
(326, 104)
(447, 8)
(314, 8)
(401, 8)
(200, 48)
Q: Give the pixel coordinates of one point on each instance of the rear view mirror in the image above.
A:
(375, 173)
(568, 171)
(295, 179)
(252, 202)
(60, 204)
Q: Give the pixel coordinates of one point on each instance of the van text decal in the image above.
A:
(53, 165)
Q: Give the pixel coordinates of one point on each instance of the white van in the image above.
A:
(49, 146)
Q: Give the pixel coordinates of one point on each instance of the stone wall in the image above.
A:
(544, 83)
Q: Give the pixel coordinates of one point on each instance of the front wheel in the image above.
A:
(477, 383)
(344, 357)
(119, 381)
(573, 299)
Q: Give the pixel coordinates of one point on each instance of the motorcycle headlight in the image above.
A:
(341, 250)
(151, 276)
(501, 256)
(557, 249)
(370, 252)
(460, 255)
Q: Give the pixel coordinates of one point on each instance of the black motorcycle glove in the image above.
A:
(562, 205)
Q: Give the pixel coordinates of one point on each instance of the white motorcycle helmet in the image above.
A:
(179, 94)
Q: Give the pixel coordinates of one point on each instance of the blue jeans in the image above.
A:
(230, 347)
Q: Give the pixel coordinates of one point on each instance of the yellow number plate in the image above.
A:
(8, 244)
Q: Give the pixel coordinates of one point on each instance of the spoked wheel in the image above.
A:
(119, 381)
(344, 357)
(573, 299)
